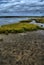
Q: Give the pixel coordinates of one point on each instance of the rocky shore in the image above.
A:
(22, 48)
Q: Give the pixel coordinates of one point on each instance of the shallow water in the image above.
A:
(10, 20)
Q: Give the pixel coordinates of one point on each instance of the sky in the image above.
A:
(22, 7)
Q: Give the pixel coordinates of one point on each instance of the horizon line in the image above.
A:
(18, 16)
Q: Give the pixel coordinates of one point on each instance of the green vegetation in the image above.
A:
(26, 21)
(22, 26)
(18, 28)
(40, 20)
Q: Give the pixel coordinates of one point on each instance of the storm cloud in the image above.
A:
(22, 7)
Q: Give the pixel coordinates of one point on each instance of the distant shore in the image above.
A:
(20, 16)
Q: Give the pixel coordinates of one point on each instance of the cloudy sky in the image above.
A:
(22, 7)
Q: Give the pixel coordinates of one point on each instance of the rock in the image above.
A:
(1, 39)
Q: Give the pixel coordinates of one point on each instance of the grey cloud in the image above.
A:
(7, 6)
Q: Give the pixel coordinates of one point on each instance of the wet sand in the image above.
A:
(22, 48)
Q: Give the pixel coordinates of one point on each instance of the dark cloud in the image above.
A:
(8, 6)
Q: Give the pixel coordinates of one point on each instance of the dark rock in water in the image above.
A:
(41, 25)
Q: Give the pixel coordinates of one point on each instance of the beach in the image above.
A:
(22, 48)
